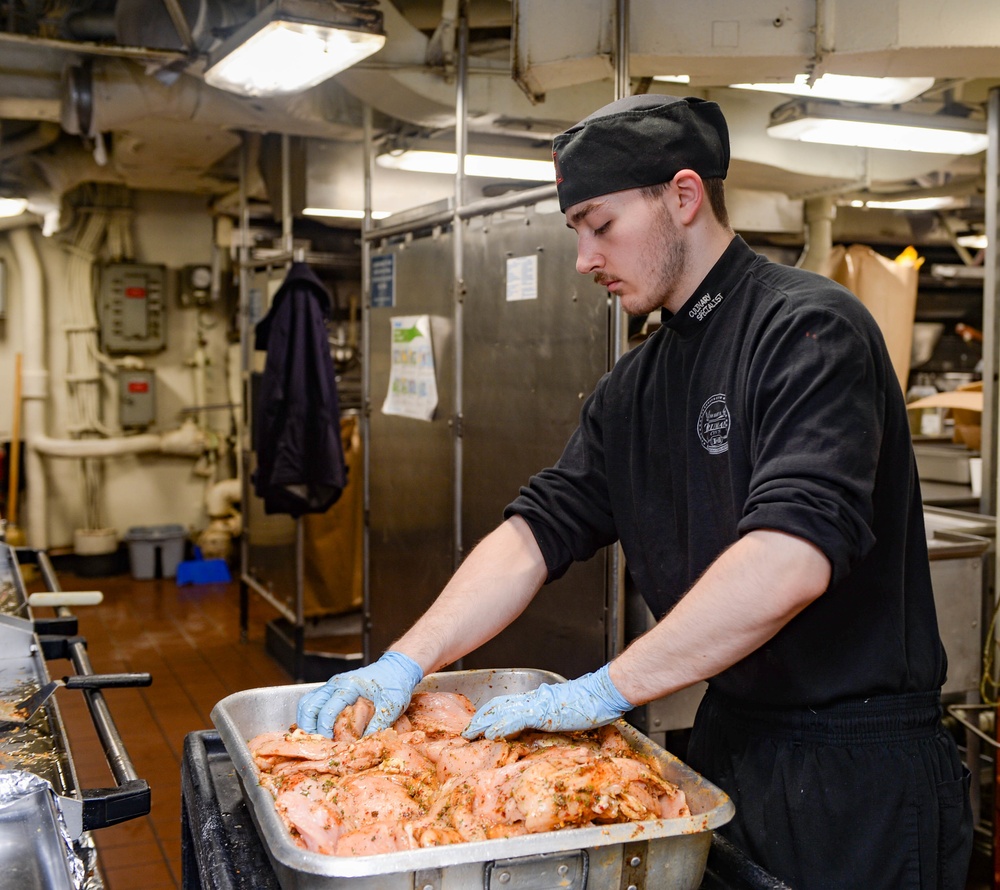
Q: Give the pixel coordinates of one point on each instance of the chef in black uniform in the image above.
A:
(753, 458)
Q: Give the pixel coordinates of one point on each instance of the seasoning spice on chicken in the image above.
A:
(420, 784)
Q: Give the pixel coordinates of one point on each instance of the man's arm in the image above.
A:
(491, 588)
(743, 599)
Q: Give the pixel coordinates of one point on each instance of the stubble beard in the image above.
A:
(664, 258)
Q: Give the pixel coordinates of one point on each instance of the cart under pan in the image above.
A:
(665, 854)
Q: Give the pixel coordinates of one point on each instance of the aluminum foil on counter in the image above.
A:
(37, 850)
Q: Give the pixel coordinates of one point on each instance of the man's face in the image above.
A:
(632, 246)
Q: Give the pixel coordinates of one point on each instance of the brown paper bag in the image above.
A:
(333, 557)
(888, 289)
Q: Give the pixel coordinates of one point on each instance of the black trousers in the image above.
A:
(861, 795)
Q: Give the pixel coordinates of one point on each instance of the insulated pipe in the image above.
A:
(222, 497)
(34, 387)
(819, 215)
(187, 441)
(83, 448)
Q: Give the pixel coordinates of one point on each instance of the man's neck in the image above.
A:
(705, 245)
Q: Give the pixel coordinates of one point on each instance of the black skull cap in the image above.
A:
(638, 141)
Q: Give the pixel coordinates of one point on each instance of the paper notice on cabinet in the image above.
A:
(412, 381)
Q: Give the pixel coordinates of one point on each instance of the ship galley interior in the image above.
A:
(296, 308)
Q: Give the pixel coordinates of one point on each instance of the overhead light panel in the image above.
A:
(12, 207)
(807, 120)
(931, 202)
(488, 166)
(976, 242)
(292, 45)
(341, 213)
(848, 88)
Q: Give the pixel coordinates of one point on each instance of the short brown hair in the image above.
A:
(715, 188)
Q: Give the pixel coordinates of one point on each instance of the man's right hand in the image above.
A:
(388, 684)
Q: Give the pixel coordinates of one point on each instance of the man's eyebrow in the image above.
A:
(581, 214)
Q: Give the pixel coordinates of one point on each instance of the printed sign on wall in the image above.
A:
(522, 278)
(412, 381)
(383, 281)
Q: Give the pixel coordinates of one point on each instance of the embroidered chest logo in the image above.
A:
(699, 311)
(713, 425)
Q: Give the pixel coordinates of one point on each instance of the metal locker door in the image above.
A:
(531, 353)
(411, 525)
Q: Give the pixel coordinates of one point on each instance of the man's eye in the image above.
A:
(601, 230)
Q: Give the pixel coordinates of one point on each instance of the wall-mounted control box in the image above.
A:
(136, 398)
(131, 307)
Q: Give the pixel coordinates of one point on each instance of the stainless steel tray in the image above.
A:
(33, 853)
(665, 854)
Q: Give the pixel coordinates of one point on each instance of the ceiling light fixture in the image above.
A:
(339, 213)
(488, 166)
(848, 88)
(807, 120)
(976, 242)
(931, 202)
(292, 45)
(10, 207)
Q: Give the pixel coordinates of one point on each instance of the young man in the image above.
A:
(753, 458)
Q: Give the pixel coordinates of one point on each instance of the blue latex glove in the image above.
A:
(388, 684)
(587, 702)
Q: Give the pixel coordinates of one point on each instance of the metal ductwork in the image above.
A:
(718, 43)
(140, 114)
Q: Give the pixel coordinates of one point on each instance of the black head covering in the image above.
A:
(638, 141)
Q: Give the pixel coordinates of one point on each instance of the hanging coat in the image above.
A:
(296, 411)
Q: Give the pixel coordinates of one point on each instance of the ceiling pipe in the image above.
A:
(42, 136)
(819, 213)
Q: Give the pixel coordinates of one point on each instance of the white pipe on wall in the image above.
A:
(222, 496)
(34, 385)
(187, 441)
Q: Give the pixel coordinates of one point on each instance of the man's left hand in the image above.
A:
(585, 703)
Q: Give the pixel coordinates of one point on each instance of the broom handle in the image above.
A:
(15, 447)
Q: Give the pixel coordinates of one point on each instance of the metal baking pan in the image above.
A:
(33, 853)
(660, 854)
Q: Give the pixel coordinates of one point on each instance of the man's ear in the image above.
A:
(690, 192)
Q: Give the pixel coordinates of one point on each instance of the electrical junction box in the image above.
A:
(136, 398)
(131, 307)
(197, 285)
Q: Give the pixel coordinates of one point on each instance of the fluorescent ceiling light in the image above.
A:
(12, 207)
(934, 202)
(976, 242)
(672, 78)
(475, 165)
(827, 122)
(292, 45)
(848, 88)
(337, 213)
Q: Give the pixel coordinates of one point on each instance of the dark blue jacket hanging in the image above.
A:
(300, 458)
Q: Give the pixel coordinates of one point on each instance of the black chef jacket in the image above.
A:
(767, 402)
(300, 456)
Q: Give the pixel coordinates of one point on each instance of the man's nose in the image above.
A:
(588, 260)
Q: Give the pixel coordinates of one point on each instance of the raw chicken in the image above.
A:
(420, 784)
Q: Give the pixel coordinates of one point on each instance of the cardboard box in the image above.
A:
(966, 406)
(888, 289)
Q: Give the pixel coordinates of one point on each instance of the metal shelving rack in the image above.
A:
(275, 572)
